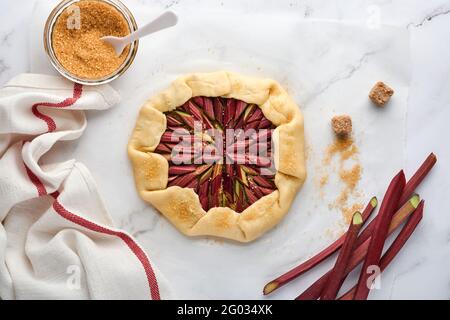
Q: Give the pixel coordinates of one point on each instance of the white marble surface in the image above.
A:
(421, 271)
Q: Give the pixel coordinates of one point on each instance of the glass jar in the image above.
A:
(48, 30)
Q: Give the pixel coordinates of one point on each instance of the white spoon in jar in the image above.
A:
(166, 20)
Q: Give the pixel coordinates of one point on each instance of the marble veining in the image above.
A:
(3, 66)
(436, 13)
(346, 74)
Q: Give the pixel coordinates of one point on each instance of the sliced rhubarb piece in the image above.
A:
(228, 115)
(172, 178)
(229, 170)
(220, 165)
(206, 124)
(206, 175)
(209, 108)
(227, 187)
(264, 124)
(265, 191)
(182, 180)
(263, 182)
(172, 121)
(337, 275)
(179, 170)
(194, 110)
(169, 137)
(250, 170)
(162, 148)
(187, 119)
(216, 185)
(384, 217)
(252, 125)
(256, 189)
(239, 196)
(240, 107)
(193, 184)
(203, 194)
(218, 110)
(199, 170)
(318, 258)
(239, 123)
(172, 128)
(238, 171)
(252, 198)
(248, 112)
(256, 116)
(217, 171)
(199, 101)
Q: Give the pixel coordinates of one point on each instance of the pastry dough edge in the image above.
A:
(276, 105)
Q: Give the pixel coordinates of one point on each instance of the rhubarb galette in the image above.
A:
(220, 154)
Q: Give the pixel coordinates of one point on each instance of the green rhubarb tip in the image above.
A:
(374, 202)
(415, 200)
(357, 218)
(182, 113)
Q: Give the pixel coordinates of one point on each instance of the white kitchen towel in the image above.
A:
(57, 241)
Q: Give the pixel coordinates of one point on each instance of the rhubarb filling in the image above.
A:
(221, 148)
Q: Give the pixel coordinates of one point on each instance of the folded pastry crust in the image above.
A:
(182, 205)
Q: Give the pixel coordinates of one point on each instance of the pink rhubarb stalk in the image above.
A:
(337, 275)
(384, 217)
(318, 258)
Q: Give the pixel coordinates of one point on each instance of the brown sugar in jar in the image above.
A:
(81, 51)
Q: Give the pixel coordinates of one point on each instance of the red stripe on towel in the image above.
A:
(35, 180)
(134, 247)
(77, 91)
(63, 212)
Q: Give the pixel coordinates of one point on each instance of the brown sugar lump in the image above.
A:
(380, 93)
(342, 126)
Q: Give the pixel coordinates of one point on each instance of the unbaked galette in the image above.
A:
(219, 154)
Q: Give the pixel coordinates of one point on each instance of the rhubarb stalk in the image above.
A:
(384, 217)
(318, 258)
(418, 177)
(408, 192)
(362, 243)
(314, 291)
(396, 246)
(337, 275)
